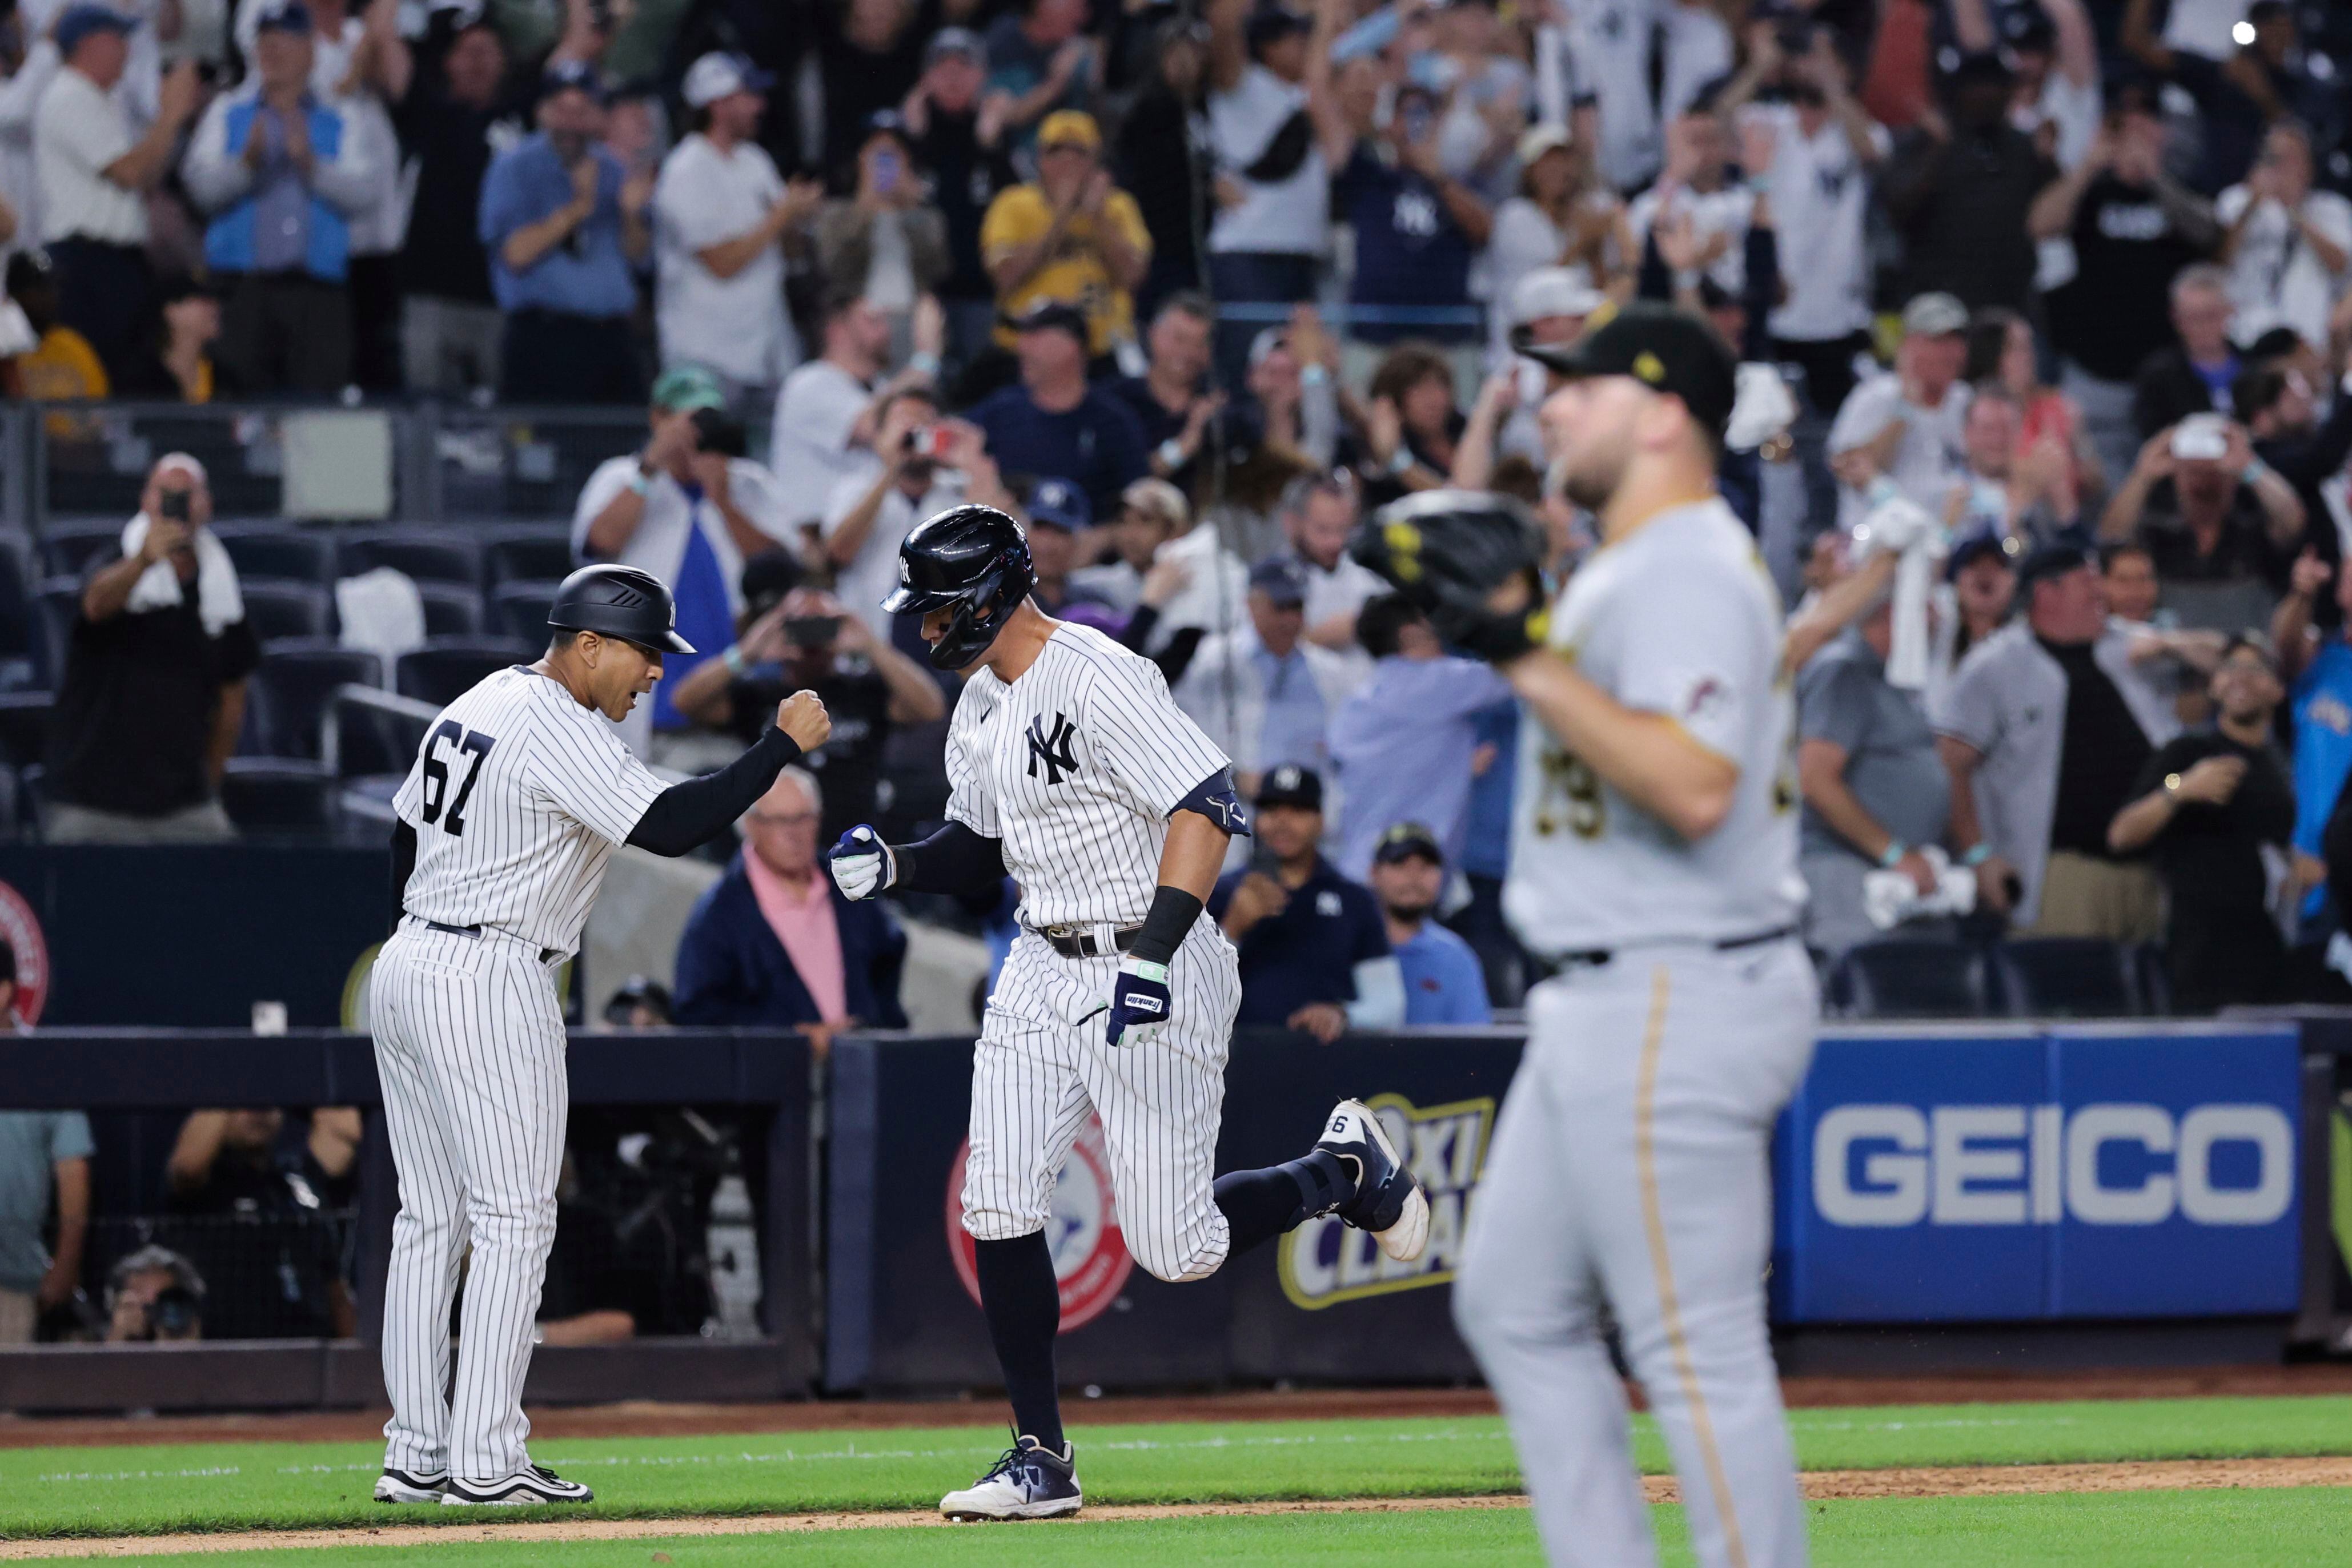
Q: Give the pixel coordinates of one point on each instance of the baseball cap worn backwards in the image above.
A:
(1666, 349)
(716, 76)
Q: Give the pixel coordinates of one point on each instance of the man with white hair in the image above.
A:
(1548, 308)
(153, 692)
(773, 943)
(1906, 424)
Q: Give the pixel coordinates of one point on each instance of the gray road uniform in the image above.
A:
(1629, 1164)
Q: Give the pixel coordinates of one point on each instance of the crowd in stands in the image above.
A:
(1194, 291)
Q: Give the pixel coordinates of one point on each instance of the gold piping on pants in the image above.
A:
(1653, 1222)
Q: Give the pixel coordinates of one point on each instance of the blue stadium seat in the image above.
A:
(519, 608)
(277, 794)
(513, 553)
(276, 608)
(2066, 976)
(21, 636)
(428, 555)
(376, 733)
(31, 795)
(290, 694)
(278, 550)
(445, 668)
(68, 549)
(1898, 979)
(451, 609)
(2153, 970)
(24, 727)
(59, 608)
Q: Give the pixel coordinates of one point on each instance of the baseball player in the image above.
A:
(1071, 767)
(1654, 859)
(517, 797)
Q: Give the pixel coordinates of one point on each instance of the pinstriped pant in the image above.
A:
(469, 1044)
(1629, 1165)
(1035, 1076)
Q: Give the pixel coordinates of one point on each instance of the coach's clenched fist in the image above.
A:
(803, 719)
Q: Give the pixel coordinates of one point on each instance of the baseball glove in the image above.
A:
(1449, 552)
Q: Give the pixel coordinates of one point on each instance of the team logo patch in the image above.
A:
(22, 928)
(1325, 1261)
(1052, 749)
(1706, 697)
(1091, 1262)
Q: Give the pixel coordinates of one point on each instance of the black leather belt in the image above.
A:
(1086, 946)
(1595, 957)
(450, 930)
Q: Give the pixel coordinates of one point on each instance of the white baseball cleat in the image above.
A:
(533, 1484)
(1389, 1202)
(408, 1485)
(1029, 1481)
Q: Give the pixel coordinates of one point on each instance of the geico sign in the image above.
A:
(2034, 1165)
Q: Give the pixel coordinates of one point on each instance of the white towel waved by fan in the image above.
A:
(1890, 897)
(220, 603)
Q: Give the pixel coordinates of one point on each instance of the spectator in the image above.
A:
(1442, 981)
(1696, 201)
(1826, 148)
(44, 1156)
(60, 366)
(1875, 792)
(1154, 153)
(154, 1295)
(2007, 488)
(2132, 228)
(2275, 401)
(1051, 424)
(1320, 515)
(1411, 426)
(94, 173)
(1275, 133)
(722, 219)
(1172, 401)
(2193, 375)
(1607, 66)
(1151, 514)
(810, 642)
(2216, 812)
(1909, 424)
(2221, 527)
(1959, 194)
(154, 693)
(1263, 692)
(2165, 656)
(1056, 514)
(641, 1003)
(2003, 352)
(1401, 744)
(182, 367)
(1417, 230)
(1072, 235)
(2054, 51)
(1562, 219)
(688, 508)
(566, 227)
(2316, 666)
(2236, 96)
(283, 174)
(2046, 727)
(888, 243)
(865, 64)
(925, 465)
(264, 1161)
(451, 121)
(957, 145)
(1979, 589)
(774, 945)
(825, 420)
(1314, 949)
(2288, 247)
(1040, 63)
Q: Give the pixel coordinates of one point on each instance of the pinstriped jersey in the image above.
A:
(1076, 766)
(519, 795)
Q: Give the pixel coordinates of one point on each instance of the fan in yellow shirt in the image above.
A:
(1070, 236)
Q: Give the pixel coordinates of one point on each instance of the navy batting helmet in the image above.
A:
(974, 558)
(619, 601)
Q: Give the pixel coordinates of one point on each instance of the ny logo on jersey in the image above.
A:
(1052, 750)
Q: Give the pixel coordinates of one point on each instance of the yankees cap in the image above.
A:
(1291, 785)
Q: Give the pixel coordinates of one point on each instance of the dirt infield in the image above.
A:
(652, 1420)
(1978, 1481)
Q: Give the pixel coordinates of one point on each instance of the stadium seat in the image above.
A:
(290, 695)
(24, 727)
(1900, 979)
(274, 608)
(277, 794)
(21, 636)
(68, 550)
(528, 553)
(278, 550)
(2154, 972)
(451, 609)
(445, 668)
(31, 795)
(519, 608)
(428, 555)
(375, 732)
(2066, 976)
(59, 608)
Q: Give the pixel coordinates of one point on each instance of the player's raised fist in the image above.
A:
(801, 717)
(862, 865)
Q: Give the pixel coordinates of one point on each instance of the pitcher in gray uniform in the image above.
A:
(1654, 859)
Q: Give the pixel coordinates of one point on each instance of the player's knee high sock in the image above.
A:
(1262, 1204)
(1023, 1303)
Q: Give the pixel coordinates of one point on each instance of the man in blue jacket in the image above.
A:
(773, 942)
(281, 176)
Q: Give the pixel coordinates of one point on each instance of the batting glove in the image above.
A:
(862, 865)
(1140, 1001)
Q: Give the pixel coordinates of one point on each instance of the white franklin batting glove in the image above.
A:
(862, 863)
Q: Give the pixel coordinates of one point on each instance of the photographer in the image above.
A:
(688, 508)
(154, 1295)
(927, 465)
(808, 642)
